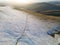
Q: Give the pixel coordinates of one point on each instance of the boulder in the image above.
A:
(54, 30)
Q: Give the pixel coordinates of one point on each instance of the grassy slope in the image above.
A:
(39, 7)
(52, 12)
(45, 17)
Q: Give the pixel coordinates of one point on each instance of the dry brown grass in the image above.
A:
(42, 16)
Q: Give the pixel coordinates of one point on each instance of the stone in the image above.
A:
(54, 30)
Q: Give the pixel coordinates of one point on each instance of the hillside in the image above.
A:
(52, 12)
(39, 7)
(42, 7)
(55, 2)
(12, 25)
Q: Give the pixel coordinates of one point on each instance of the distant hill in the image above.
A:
(39, 7)
(3, 4)
(44, 8)
(54, 2)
